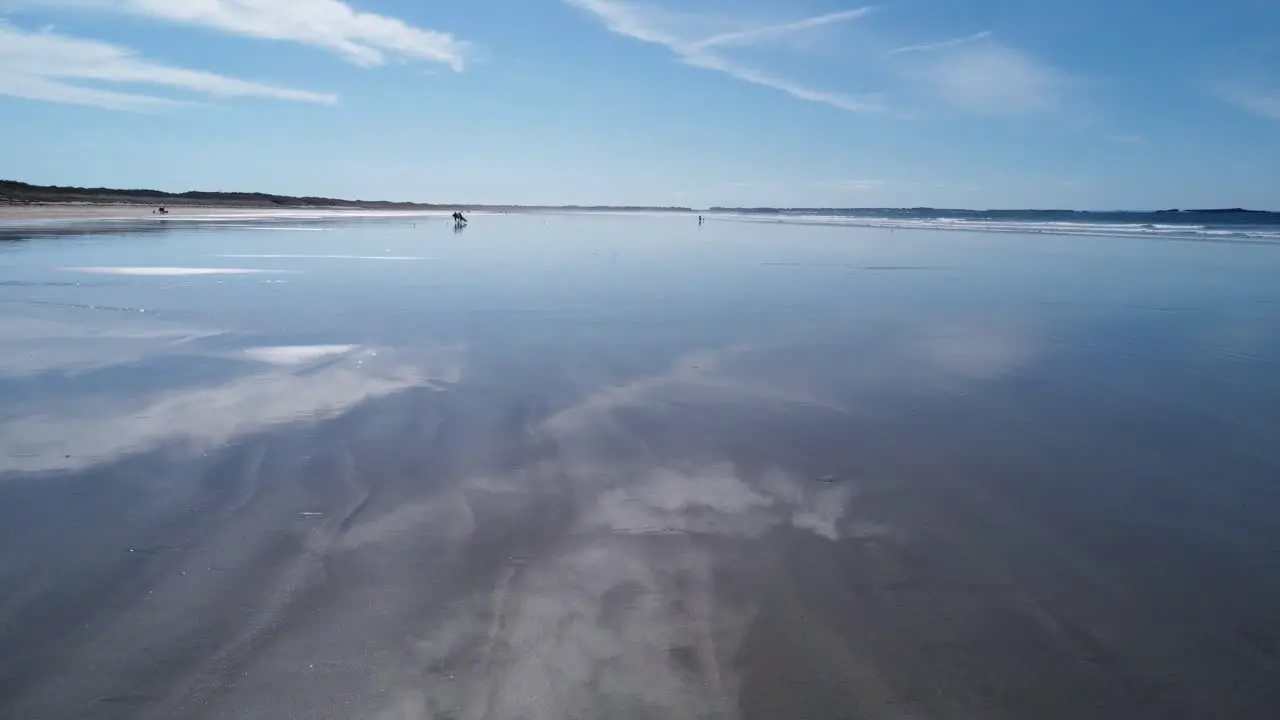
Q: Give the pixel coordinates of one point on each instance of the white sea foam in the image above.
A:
(163, 271)
(1096, 229)
(271, 228)
(326, 257)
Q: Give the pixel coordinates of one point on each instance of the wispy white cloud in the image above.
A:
(44, 66)
(971, 73)
(943, 44)
(851, 185)
(1262, 104)
(364, 38)
(673, 31)
(990, 78)
(641, 23)
(757, 35)
(843, 101)
(831, 188)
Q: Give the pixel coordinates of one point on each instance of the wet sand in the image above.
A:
(589, 467)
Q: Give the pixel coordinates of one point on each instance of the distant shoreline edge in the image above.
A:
(19, 194)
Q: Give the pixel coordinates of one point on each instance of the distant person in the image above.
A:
(700, 221)
(458, 218)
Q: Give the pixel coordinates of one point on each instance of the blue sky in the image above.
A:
(1091, 104)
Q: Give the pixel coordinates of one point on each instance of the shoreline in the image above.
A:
(14, 214)
(40, 212)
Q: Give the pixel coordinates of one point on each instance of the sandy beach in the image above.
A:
(104, 211)
(574, 466)
(96, 211)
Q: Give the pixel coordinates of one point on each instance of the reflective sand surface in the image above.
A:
(626, 467)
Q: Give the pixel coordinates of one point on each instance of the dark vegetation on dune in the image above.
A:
(13, 192)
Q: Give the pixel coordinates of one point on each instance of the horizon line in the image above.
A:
(139, 196)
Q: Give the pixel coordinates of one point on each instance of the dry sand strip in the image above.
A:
(37, 212)
(96, 211)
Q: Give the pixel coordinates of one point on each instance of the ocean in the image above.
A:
(1225, 225)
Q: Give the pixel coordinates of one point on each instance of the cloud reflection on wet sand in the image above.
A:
(628, 610)
(79, 432)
